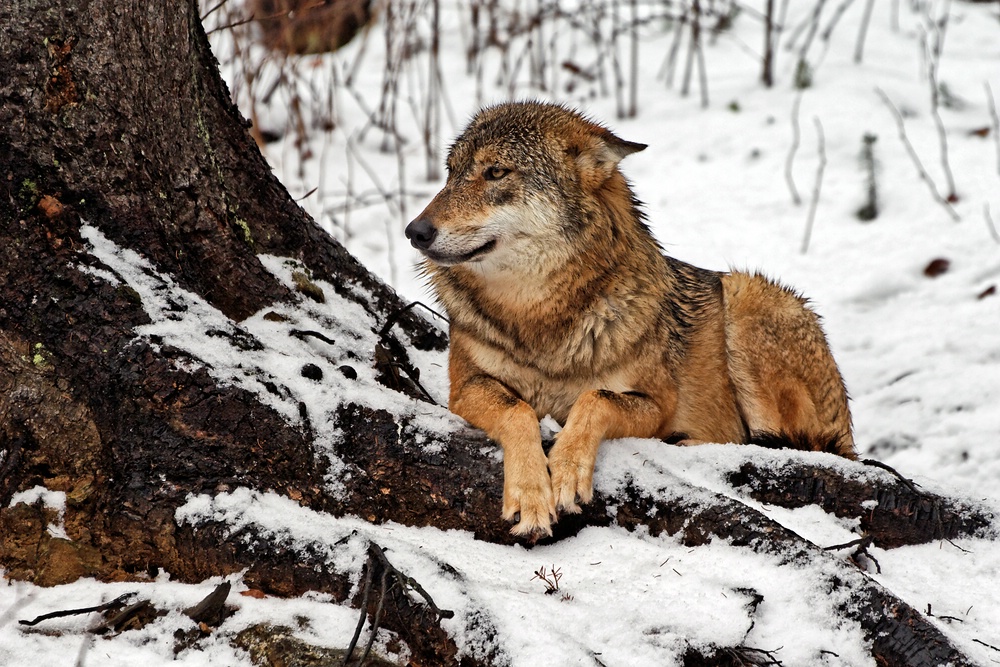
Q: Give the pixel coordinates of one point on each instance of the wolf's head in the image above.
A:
(521, 175)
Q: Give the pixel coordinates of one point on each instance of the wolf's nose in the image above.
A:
(421, 233)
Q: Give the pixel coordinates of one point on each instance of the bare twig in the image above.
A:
(377, 620)
(432, 114)
(748, 655)
(702, 72)
(670, 64)
(859, 46)
(550, 578)
(869, 211)
(633, 106)
(986, 645)
(407, 582)
(940, 28)
(399, 312)
(118, 601)
(939, 124)
(814, 202)
(813, 26)
(837, 14)
(989, 222)
(905, 481)
(693, 45)
(965, 551)
(796, 137)
(916, 159)
(366, 592)
(995, 120)
(767, 72)
(862, 545)
(213, 9)
(229, 26)
(390, 579)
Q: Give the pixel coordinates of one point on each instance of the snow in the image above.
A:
(920, 355)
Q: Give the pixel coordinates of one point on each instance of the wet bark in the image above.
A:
(113, 114)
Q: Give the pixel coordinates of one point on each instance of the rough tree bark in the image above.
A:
(114, 113)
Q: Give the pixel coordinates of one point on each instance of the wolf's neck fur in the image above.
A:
(579, 299)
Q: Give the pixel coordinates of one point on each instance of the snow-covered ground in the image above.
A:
(920, 355)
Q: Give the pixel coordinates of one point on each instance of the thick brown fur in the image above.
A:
(562, 303)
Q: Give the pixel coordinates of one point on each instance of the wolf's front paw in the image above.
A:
(527, 493)
(571, 464)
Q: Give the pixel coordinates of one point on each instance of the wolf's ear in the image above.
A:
(600, 155)
(618, 149)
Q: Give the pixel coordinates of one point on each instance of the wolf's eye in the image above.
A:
(495, 173)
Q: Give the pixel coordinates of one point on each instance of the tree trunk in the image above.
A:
(113, 115)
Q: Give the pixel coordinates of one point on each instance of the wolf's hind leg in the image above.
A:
(787, 385)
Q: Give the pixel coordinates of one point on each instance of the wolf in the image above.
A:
(561, 302)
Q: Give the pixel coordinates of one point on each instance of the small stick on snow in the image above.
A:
(916, 159)
(819, 184)
(986, 645)
(861, 545)
(75, 612)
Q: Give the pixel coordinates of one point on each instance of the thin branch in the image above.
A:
(669, 66)
(989, 222)
(861, 544)
(986, 645)
(748, 655)
(796, 137)
(905, 481)
(837, 13)
(767, 72)
(407, 582)
(702, 73)
(694, 43)
(995, 119)
(859, 46)
(364, 615)
(229, 26)
(819, 184)
(386, 588)
(939, 124)
(916, 159)
(118, 601)
(633, 106)
(813, 26)
(213, 9)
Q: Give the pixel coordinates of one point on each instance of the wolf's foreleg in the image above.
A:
(487, 404)
(596, 416)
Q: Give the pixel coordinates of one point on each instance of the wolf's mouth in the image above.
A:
(451, 260)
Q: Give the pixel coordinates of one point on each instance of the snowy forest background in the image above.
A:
(851, 150)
